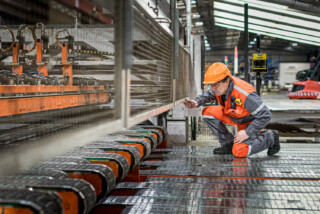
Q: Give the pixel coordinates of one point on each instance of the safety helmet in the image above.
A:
(216, 72)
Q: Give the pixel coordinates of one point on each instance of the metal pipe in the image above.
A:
(188, 16)
(203, 53)
(124, 26)
(176, 45)
(172, 13)
(258, 82)
(246, 42)
(193, 128)
(258, 75)
(258, 43)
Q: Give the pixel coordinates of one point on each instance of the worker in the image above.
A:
(239, 106)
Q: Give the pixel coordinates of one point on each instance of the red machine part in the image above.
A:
(305, 90)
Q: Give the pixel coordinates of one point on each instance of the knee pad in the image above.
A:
(240, 150)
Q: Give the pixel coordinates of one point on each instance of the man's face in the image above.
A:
(220, 88)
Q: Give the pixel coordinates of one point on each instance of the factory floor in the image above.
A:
(190, 179)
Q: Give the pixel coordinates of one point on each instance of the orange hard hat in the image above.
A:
(216, 72)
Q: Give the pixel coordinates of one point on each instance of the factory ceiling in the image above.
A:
(284, 25)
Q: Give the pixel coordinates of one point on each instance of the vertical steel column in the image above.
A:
(176, 59)
(123, 38)
(246, 42)
(203, 53)
(188, 16)
(258, 75)
(193, 128)
(172, 13)
(258, 43)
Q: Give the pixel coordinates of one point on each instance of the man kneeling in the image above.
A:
(240, 106)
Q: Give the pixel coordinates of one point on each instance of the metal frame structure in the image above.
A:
(12, 160)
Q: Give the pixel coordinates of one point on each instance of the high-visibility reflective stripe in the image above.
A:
(249, 151)
(258, 109)
(208, 117)
(241, 90)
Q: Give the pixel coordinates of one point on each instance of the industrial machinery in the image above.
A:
(30, 87)
(79, 81)
(308, 84)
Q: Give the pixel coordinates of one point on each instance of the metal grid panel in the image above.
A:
(204, 133)
(293, 162)
(172, 204)
(192, 180)
(182, 83)
(151, 74)
(42, 97)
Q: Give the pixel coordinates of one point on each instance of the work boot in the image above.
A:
(224, 150)
(276, 144)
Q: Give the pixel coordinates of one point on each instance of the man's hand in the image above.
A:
(190, 103)
(241, 136)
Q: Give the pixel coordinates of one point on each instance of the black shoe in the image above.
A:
(224, 150)
(276, 144)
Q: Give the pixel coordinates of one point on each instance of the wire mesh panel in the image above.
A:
(151, 74)
(57, 68)
(182, 83)
(203, 132)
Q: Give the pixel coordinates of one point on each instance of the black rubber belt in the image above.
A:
(98, 154)
(41, 202)
(84, 191)
(105, 173)
(133, 151)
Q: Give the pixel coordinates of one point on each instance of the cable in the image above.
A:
(57, 34)
(12, 37)
(20, 36)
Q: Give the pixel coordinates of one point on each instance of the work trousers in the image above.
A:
(216, 120)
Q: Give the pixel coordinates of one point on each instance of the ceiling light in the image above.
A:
(267, 34)
(193, 2)
(267, 23)
(270, 30)
(266, 15)
(198, 23)
(207, 45)
(208, 48)
(196, 16)
(274, 8)
(294, 44)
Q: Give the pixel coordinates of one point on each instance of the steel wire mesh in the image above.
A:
(151, 73)
(182, 83)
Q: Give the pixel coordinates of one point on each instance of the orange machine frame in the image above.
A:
(30, 103)
(16, 67)
(66, 67)
(42, 67)
(37, 98)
